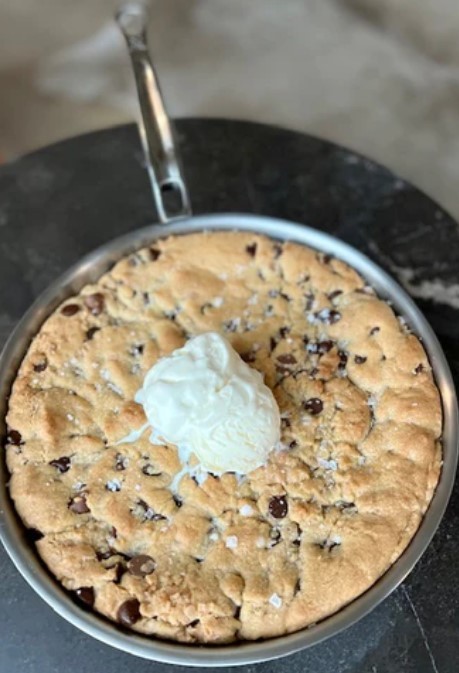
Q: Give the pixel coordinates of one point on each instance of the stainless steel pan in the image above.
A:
(166, 179)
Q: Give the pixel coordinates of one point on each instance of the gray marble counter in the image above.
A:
(63, 201)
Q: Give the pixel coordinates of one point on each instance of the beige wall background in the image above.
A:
(380, 76)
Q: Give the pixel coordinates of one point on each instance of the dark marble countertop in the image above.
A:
(60, 202)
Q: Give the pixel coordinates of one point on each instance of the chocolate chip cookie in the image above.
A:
(226, 558)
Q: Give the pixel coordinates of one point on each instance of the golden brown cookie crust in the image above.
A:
(230, 558)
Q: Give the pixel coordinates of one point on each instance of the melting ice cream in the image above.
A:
(206, 400)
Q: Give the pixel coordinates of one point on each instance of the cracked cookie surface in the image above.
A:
(229, 558)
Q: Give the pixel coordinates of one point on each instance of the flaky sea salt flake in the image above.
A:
(328, 464)
(231, 542)
(275, 600)
(113, 485)
(246, 510)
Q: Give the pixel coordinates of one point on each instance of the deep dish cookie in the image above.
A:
(229, 558)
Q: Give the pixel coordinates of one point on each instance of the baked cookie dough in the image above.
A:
(229, 558)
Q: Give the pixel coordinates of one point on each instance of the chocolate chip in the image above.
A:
(154, 254)
(129, 612)
(309, 301)
(90, 332)
(360, 359)
(248, 357)
(278, 506)
(285, 423)
(419, 368)
(284, 331)
(141, 565)
(104, 555)
(194, 623)
(251, 249)
(343, 357)
(40, 366)
(86, 596)
(328, 316)
(70, 309)
(272, 344)
(328, 544)
(277, 250)
(346, 506)
(150, 471)
(61, 464)
(324, 346)
(149, 512)
(205, 307)
(297, 541)
(33, 534)
(178, 501)
(137, 349)
(314, 406)
(285, 296)
(95, 303)
(14, 437)
(78, 504)
(119, 572)
(334, 294)
(282, 370)
(121, 462)
(237, 612)
(326, 259)
(230, 326)
(286, 359)
(293, 444)
(374, 330)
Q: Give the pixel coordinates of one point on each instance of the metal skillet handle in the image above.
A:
(169, 188)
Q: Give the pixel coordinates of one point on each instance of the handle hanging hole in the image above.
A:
(173, 199)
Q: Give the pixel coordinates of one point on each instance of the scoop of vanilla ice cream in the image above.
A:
(205, 399)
